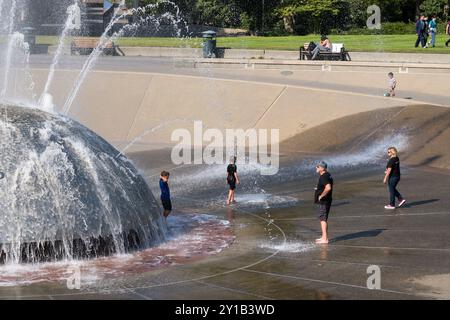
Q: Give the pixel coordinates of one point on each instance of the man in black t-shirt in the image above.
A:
(323, 198)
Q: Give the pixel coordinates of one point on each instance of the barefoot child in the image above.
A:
(165, 193)
(232, 179)
(392, 85)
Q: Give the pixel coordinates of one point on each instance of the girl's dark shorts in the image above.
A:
(167, 205)
(232, 185)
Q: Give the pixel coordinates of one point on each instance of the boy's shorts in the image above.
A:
(323, 209)
(167, 205)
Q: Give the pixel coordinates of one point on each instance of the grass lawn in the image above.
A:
(368, 43)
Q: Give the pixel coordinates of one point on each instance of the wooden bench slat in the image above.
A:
(90, 43)
(84, 43)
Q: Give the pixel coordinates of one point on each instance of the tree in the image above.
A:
(358, 12)
(433, 7)
(320, 16)
(217, 13)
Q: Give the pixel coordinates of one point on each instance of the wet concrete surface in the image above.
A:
(274, 256)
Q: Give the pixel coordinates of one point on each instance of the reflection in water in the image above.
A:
(324, 252)
(191, 237)
(230, 215)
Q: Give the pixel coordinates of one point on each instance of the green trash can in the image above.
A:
(209, 44)
(29, 37)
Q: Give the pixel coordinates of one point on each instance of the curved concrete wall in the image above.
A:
(125, 106)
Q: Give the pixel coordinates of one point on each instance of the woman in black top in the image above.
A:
(392, 178)
(232, 179)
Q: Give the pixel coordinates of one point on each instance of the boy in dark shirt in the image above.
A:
(323, 199)
(232, 179)
(165, 193)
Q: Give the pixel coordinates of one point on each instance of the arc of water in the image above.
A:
(59, 51)
(102, 43)
(2, 22)
(89, 62)
(148, 131)
(9, 48)
(1, 6)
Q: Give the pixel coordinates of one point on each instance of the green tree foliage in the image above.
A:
(320, 16)
(433, 7)
(299, 16)
(217, 13)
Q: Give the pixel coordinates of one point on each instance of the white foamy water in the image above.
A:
(265, 200)
(373, 153)
(46, 103)
(290, 246)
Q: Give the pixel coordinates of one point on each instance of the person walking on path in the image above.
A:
(323, 198)
(426, 31)
(420, 29)
(392, 178)
(433, 31)
(447, 32)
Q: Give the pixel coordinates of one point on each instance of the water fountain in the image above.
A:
(65, 192)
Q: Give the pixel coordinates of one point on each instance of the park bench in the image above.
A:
(85, 45)
(337, 53)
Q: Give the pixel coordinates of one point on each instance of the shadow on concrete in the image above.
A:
(362, 234)
(220, 52)
(429, 160)
(420, 203)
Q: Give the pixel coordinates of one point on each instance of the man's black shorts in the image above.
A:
(323, 209)
(167, 204)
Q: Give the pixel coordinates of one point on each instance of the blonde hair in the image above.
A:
(394, 151)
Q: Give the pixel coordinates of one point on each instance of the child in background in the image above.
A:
(392, 85)
(232, 179)
(165, 193)
(433, 31)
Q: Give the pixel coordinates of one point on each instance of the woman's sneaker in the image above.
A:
(389, 207)
(402, 203)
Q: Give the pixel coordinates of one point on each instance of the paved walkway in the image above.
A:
(419, 57)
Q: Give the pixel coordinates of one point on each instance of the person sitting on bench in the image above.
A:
(324, 45)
